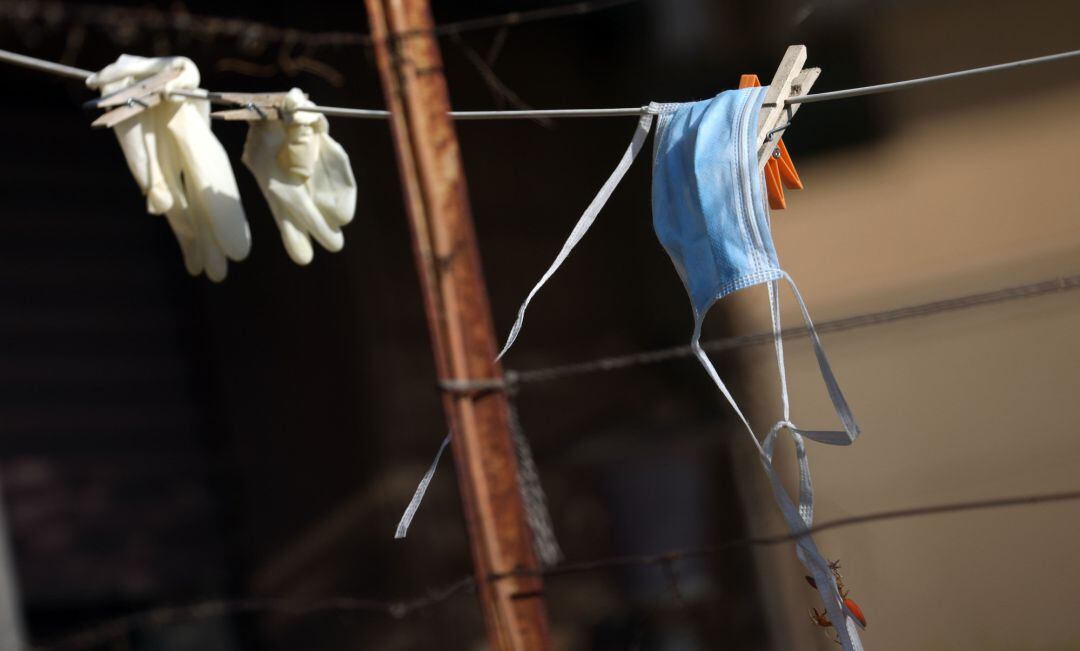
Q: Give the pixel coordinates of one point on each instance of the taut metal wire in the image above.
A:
(337, 111)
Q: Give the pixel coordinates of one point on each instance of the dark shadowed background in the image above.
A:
(165, 440)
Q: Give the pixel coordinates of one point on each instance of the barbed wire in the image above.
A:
(485, 68)
(120, 628)
(666, 558)
(297, 52)
(957, 303)
(129, 23)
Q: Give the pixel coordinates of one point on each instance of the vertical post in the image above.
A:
(459, 320)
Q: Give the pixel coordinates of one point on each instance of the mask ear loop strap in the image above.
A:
(806, 488)
(843, 411)
(778, 342)
(589, 216)
(806, 491)
(421, 489)
(806, 549)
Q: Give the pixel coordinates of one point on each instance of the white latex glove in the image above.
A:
(305, 176)
(180, 166)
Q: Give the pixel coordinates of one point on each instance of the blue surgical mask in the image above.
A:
(710, 215)
(706, 198)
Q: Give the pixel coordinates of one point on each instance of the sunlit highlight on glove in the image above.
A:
(305, 176)
(180, 166)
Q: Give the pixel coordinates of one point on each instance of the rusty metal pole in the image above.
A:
(459, 319)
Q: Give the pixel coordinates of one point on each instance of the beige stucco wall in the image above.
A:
(959, 406)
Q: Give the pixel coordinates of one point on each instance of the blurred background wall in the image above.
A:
(164, 440)
(958, 199)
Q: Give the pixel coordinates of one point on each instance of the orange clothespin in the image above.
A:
(779, 170)
(775, 116)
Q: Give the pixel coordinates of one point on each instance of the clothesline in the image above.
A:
(62, 70)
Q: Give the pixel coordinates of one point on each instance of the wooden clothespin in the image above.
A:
(254, 106)
(773, 157)
(132, 100)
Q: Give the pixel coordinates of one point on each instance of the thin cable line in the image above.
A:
(760, 541)
(171, 615)
(522, 17)
(41, 65)
(68, 71)
(151, 19)
(157, 618)
(617, 362)
(501, 93)
(900, 85)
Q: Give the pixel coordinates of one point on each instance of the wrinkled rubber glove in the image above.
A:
(305, 176)
(180, 166)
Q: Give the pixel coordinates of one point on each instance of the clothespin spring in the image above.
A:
(769, 135)
(252, 106)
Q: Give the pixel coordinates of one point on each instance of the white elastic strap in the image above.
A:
(843, 411)
(798, 518)
(418, 496)
(806, 489)
(588, 217)
(806, 549)
(778, 342)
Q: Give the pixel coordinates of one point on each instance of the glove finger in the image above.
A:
(293, 237)
(130, 134)
(209, 177)
(333, 185)
(169, 163)
(217, 265)
(305, 214)
(159, 198)
(179, 214)
(297, 243)
(138, 142)
(185, 236)
(214, 261)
